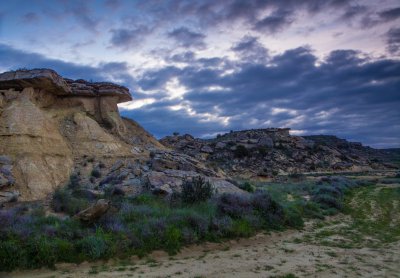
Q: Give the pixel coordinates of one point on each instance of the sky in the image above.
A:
(208, 67)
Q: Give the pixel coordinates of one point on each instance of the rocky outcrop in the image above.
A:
(94, 212)
(55, 131)
(162, 174)
(48, 124)
(269, 152)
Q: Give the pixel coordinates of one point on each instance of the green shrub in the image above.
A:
(65, 251)
(74, 181)
(196, 190)
(92, 247)
(293, 217)
(312, 210)
(328, 201)
(12, 255)
(247, 187)
(173, 240)
(95, 173)
(64, 201)
(242, 228)
(271, 211)
(241, 151)
(41, 252)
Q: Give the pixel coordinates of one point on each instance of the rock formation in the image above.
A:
(52, 127)
(268, 152)
(56, 131)
(48, 123)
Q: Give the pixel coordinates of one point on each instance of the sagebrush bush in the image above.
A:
(74, 181)
(241, 151)
(196, 190)
(12, 255)
(271, 211)
(95, 173)
(92, 247)
(40, 252)
(328, 201)
(64, 201)
(242, 228)
(234, 205)
(172, 240)
(247, 186)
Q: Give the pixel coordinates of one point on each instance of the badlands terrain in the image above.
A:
(85, 192)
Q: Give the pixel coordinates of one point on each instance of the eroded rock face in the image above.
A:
(48, 123)
(45, 79)
(273, 151)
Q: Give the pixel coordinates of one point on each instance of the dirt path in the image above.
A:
(277, 254)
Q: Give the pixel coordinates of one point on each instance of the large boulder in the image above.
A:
(93, 212)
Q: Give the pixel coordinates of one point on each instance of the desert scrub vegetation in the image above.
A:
(138, 225)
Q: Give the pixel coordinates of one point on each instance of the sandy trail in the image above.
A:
(263, 255)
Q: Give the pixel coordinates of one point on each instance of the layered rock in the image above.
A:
(48, 124)
(55, 131)
(268, 152)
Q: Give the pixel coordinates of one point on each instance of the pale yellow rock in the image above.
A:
(46, 133)
(41, 156)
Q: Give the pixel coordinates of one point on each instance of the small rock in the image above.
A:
(266, 141)
(99, 146)
(5, 160)
(145, 168)
(220, 145)
(164, 189)
(93, 212)
(207, 149)
(117, 165)
(132, 182)
(9, 196)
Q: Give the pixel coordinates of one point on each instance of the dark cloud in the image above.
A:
(352, 12)
(185, 57)
(187, 38)
(210, 13)
(391, 14)
(376, 18)
(129, 38)
(347, 94)
(274, 22)
(393, 41)
(250, 49)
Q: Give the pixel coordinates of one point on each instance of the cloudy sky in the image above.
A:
(207, 67)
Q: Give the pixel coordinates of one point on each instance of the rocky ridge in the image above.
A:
(54, 131)
(273, 151)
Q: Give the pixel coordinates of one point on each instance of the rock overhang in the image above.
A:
(50, 81)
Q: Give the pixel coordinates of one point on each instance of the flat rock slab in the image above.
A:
(46, 79)
(52, 82)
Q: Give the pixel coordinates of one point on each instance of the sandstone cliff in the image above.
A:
(47, 124)
(56, 131)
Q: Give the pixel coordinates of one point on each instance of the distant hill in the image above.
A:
(272, 151)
